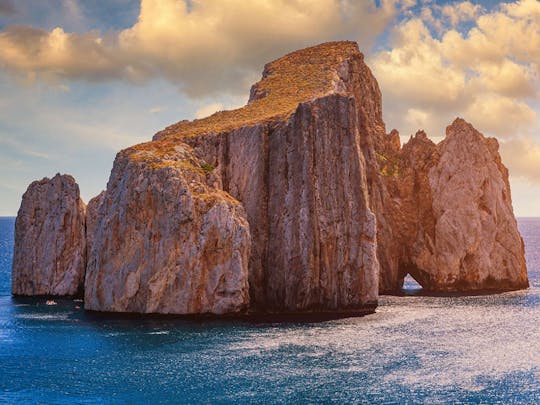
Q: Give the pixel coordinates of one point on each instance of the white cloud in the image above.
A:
(460, 12)
(502, 116)
(522, 155)
(201, 46)
(155, 110)
(415, 71)
(208, 110)
(22, 148)
(432, 71)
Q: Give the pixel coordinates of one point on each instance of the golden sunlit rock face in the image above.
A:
(50, 241)
(166, 241)
(293, 158)
(451, 211)
(300, 202)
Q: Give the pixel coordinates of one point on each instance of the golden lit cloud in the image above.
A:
(457, 13)
(228, 40)
(433, 71)
(502, 116)
(208, 110)
(488, 74)
(522, 156)
(415, 69)
(439, 61)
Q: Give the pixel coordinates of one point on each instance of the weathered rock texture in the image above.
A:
(293, 157)
(165, 241)
(300, 202)
(92, 210)
(453, 215)
(50, 247)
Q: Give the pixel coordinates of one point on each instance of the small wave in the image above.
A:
(45, 317)
(159, 332)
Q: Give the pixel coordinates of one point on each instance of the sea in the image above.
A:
(414, 350)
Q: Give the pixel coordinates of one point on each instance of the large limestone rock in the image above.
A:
(453, 215)
(297, 202)
(477, 245)
(165, 241)
(293, 157)
(50, 247)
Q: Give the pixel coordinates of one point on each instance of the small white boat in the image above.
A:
(50, 302)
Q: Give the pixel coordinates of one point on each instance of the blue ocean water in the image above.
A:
(481, 349)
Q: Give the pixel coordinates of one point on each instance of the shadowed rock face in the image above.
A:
(92, 210)
(50, 246)
(303, 186)
(454, 217)
(167, 242)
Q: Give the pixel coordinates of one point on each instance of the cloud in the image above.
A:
(502, 116)
(208, 110)
(440, 61)
(433, 70)
(155, 110)
(489, 74)
(523, 9)
(29, 51)
(6, 7)
(460, 12)
(23, 149)
(202, 47)
(415, 69)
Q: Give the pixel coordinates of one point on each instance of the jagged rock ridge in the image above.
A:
(298, 202)
(452, 215)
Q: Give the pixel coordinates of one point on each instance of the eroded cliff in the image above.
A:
(165, 241)
(293, 158)
(50, 241)
(452, 212)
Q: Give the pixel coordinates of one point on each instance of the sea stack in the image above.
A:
(298, 202)
(50, 242)
(292, 158)
(451, 207)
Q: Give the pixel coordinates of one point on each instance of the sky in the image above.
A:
(81, 79)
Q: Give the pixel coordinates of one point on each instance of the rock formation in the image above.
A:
(299, 202)
(50, 246)
(92, 210)
(165, 241)
(466, 238)
(293, 157)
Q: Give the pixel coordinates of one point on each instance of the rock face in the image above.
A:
(297, 202)
(92, 210)
(454, 217)
(301, 177)
(50, 246)
(165, 241)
